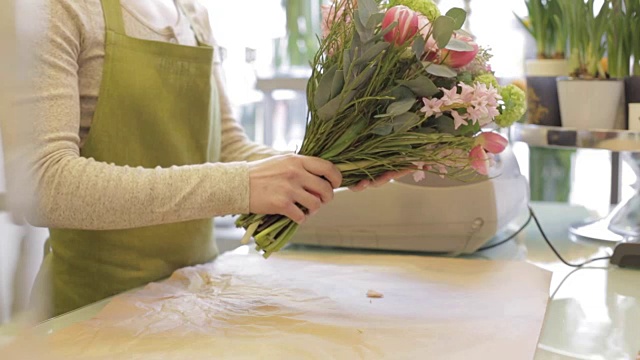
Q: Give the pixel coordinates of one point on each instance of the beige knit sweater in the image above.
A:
(81, 193)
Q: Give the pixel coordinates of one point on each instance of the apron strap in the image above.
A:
(113, 16)
(189, 10)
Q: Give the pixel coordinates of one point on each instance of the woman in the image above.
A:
(137, 150)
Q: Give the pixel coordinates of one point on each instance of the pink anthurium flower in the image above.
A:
(457, 59)
(480, 160)
(407, 26)
(491, 142)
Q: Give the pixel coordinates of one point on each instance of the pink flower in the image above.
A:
(431, 47)
(327, 18)
(407, 27)
(329, 15)
(458, 120)
(431, 106)
(451, 96)
(480, 160)
(491, 142)
(466, 95)
(419, 174)
(458, 59)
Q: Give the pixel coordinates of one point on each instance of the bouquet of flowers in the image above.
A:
(397, 86)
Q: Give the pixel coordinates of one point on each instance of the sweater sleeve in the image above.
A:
(80, 193)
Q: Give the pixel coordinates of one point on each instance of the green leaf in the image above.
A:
(323, 91)
(458, 15)
(461, 32)
(338, 83)
(383, 32)
(371, 53)
(465, 130)
(400, 107)
(346, 63)
(443, 29)
(347, 138)
(402, 92)
(333, 107)
(404, 122)
(421, 86)
(465, 77)
(439, 70)
(375, 20)
(364, 33)
(363, 77)
(458, 45)
(383, 129)
(366, 8)
(418, 46)
(445, 124)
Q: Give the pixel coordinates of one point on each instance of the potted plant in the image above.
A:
(588, 98)
(544, 23)
(632, 82)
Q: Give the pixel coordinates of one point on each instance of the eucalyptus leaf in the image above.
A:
(458, 15)
(346, 63)
(400, 107)
(383, 129)
(465, 130)
(458, 45)
(375, 20)
(421, 86)
(371, 53)
(439, 70)
(331, 109)
(445, 124)
(461, 32)
(366, 8)
(363, 77)
(338, 83)
(443, 28)
(347, 138)
(323, 91)
(364, 33)
(402, 92)
(418, 46)
(404, 122)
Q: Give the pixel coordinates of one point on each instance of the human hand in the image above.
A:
(381, 180)
(279, 184)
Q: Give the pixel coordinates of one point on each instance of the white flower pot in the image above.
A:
(546, 67)
(592, 104)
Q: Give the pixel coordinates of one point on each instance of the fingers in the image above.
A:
(361, 185)
(293, 212)
(311, 202)
(388, 176)
(323, 168)
(318, 187)
(381, 180)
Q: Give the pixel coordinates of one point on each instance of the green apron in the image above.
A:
(158, 106)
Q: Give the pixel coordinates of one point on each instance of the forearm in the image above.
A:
(80, 193)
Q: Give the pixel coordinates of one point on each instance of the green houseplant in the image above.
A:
(544, 22)
(589, 99)
(632, 82)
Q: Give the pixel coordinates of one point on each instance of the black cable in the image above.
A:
(533, 216)
(507, 239)
(553, 294)
(546, 239)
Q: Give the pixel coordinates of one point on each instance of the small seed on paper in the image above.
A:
(374, 294)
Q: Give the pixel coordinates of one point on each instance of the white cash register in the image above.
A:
(434, 215)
